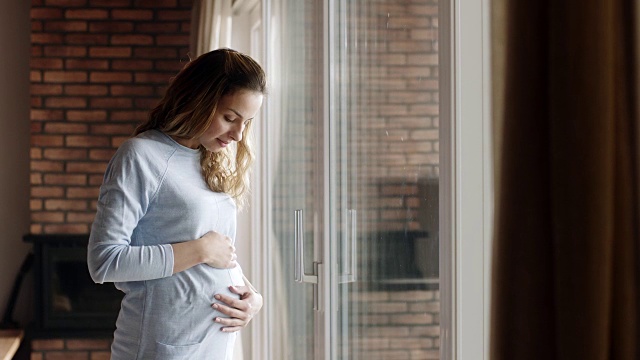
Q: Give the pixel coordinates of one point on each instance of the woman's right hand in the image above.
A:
(218, 250)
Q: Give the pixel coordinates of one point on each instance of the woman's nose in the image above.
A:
(236, 131)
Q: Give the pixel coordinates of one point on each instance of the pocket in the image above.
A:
(176, 352)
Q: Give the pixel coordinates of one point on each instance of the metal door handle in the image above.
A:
(350, 262)
(299, 274)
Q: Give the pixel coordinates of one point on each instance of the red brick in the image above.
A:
(36, 51)
(35, 76)
(83, 193)
(65, 128)
(47, 216)
(111, 77)
(111, 102)
(132, 65)
(111, 26)
(87, 141)
(66, 3)
(174, 15)
(35, 153)
(101, 154)
(113, 129)
(45, 13)
(95, 180)
(46, 140)
(134, 116)
(36, 26)
(86, 14)
(86, 39)
(47, 344)
(132, 39)
(35, 179)
(43, 115)
(86, 167)
(36, 355)
(37, 89)
(36, 102)
(65, 26)
(87, 218)
(65, 179)
(35, 229)
(139, 90)
(148, 103)
(66, 229)
(66, 102)
(171, 65)
(156, 3)
(155, 53)
(110, 3)
(65, 51)
(172, 40)
(47, 191)
(40, 38)
(65, 154)
(86, 115)
(157, 28)
(90, 90)
(131, 14)
(35, 204)
(153, 78)
(110, 52)
(65, 76)
(46, 166)
(116, 141)
(46, 63)
(100, 355)
(88, 344)
(35, 127)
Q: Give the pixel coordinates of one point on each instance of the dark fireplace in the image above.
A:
(68, 302)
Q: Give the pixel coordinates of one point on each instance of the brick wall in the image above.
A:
(71, 349)
(97, 67)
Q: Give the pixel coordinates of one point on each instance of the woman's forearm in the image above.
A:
(213, 249)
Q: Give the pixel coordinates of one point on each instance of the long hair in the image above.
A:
(187, 109)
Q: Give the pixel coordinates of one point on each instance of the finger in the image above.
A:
(232, 312)
(239, 290)
(227, 322)
(233, 302)
(231, 329)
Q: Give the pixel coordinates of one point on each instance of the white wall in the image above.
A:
(14, 148)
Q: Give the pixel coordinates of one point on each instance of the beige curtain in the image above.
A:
(565, 276)
(210, 26)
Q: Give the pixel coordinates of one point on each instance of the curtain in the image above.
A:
(565, 260)
(210, 26)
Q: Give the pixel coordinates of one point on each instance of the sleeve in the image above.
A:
(129, 186)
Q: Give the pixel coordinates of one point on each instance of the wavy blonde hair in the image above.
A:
(187, 110)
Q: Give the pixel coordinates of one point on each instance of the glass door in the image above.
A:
(296, 114)
(384, 123)
(353, 113)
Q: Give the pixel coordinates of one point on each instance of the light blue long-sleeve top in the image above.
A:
(154, 194)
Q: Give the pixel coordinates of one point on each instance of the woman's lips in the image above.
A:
(222, 143)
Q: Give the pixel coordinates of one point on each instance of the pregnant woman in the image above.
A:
(166, 216)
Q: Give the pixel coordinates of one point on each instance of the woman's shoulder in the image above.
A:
(151, 143)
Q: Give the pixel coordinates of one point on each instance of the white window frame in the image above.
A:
(466, 179)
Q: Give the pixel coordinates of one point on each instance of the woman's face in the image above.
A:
(234, 111)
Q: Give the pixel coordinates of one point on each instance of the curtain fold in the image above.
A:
(565, 275)
(210, 26)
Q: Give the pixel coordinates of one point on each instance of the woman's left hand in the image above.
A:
(240, 311)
